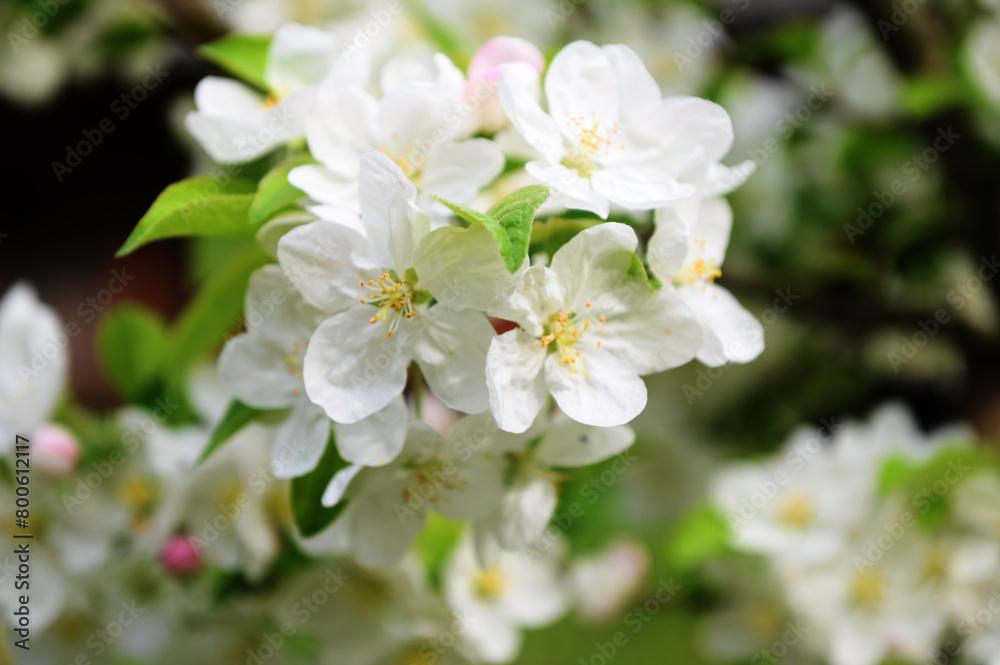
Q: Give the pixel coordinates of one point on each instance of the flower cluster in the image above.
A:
(453, 228)
(883, 542)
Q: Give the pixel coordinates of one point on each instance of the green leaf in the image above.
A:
(436, 542)
(896, 469)
(213, 312)
(275, 193)
(700, 536)
(196, 206)
(548, 236)
(637, 273)
(244, 56)
(237, 416)
(509, 221)
(311, 516)
(132, 342)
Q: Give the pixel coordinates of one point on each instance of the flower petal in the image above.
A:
(461, 267)
(639, 188)
(300, 441)
(458, 170)
(375, 440)
(352, 369)
(594, 263)
(532, 123)
(341, 480)
(571, 444)
(669, 246)
(581, 87)
(451, 350)
(568, 188)
(515, 381)
(605, 396)
(732, 334)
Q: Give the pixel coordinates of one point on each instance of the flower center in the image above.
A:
(490, 583)
(592, 140)
(867, 589)
(410, 162)
(294, 361)
(564, 330)
(394, 300)
(697, 271)
(797, 511)
(429, 480)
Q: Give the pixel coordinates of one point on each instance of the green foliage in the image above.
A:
(238, 415)
(701, 535)
(509, 221)
(197, 206)
(436, 543)
(275, 193)
(244, 56)
(310, 515)
(131, 341)
(549, 235)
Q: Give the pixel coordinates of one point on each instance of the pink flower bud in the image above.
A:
(180, 556)
(502, 50)
(524, 61)
(54, 451)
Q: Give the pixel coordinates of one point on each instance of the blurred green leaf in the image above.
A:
(548, 236)
(197, 206)
(311, 516)
(275, 193)
(237, 416)
(242, 55)
(436, 543)
(131, 342)
(213, 312)
(703, 534)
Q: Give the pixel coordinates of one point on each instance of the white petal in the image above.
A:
(640, 95)
(571, 444)
(388, 213)
(342, 126)
(690, 124)
(658, 331)
(225, 98)
(461, 267)
(451, 350)
(416, 118)
(594, 262)
(568, 188)
(515, 380)
(254, 369)
(605, 396)
(325, 261)
(322, 184)
(300, 441)
(713, 225)
(732, 334)
(381, 527)
(529, 303)
(334, 492)
(458, 170)
(524, 512)
(299, 55)
(483, 486)
(581, 84)
(668, 248)
(639, 189)
(352, 369)
(528, 118)
(375, 440)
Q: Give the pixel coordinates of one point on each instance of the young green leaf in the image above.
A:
(549, 235)
(244, 56)
(132, 341)
(212, 312)
(238, 415)
(196, 206)
(509, 221)
(310, 515)
(700, 536)
(275, 193)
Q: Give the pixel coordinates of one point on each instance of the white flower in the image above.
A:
(387, 506)
(604, 583)
(498, 55)
(417, 124)
(403, 293)
(587, 331)
(688, 248)
(981, 54)
(513, 593)
(235, 123)
(263, 369)
(601, 141)
(35, 360)
(530, 492)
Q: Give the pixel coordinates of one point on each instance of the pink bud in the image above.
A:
(54, 451)
(180, 556)
(502, 50)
